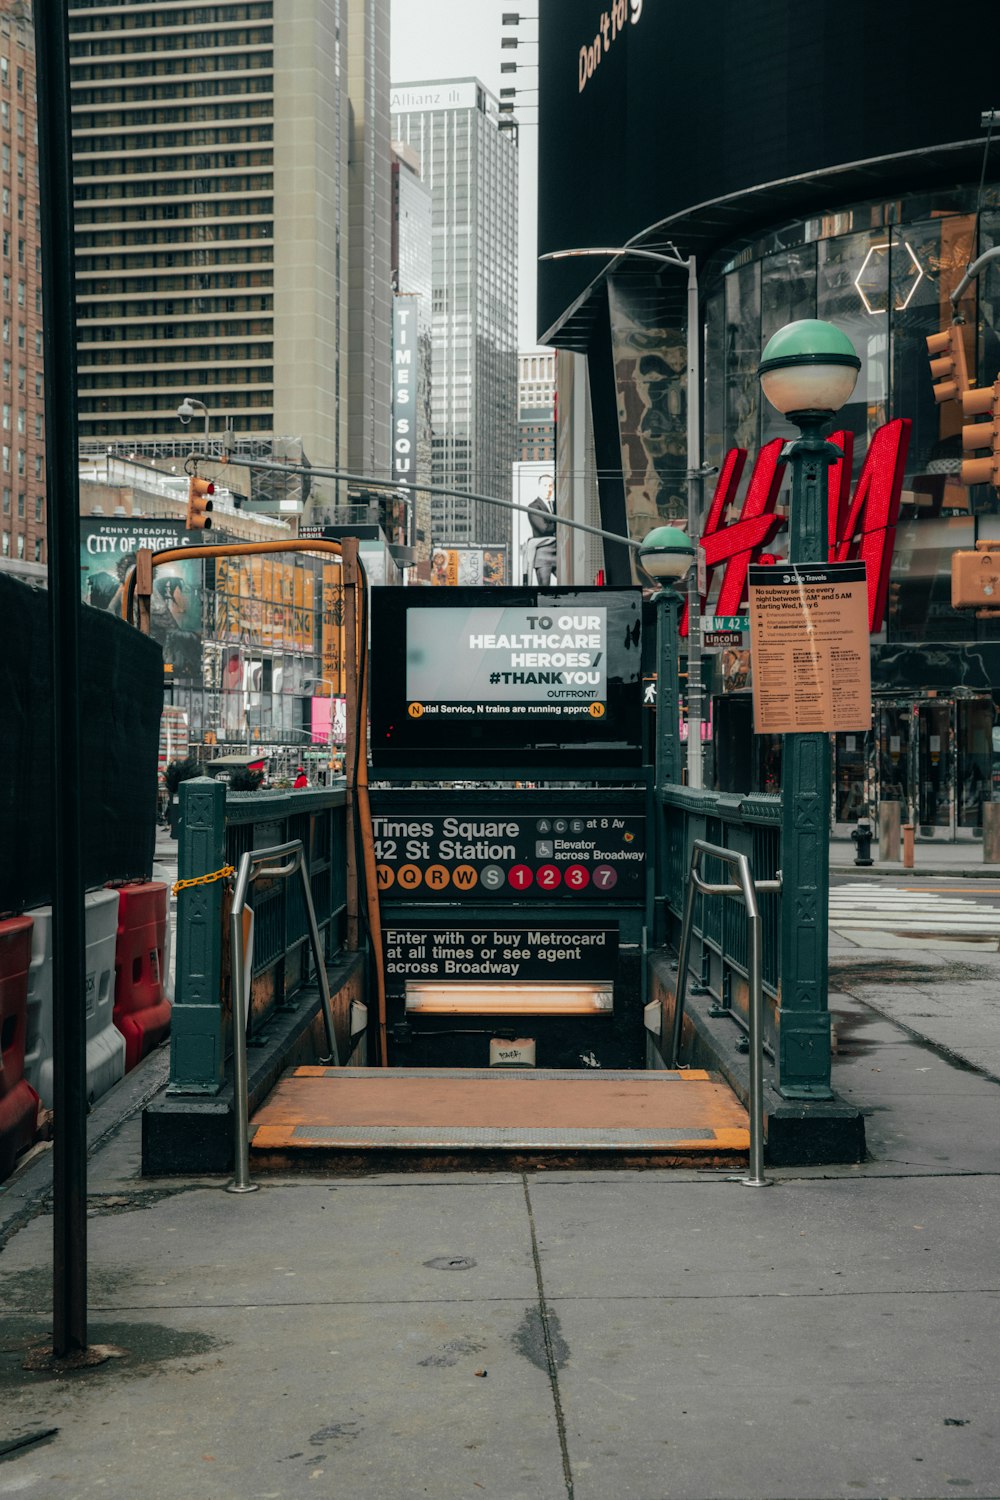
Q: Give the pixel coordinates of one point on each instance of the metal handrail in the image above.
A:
(253, 865)
(747, 889)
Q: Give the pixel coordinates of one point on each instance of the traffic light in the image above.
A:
(199, 505)
(976, 435)
(975, 578)
(948, 367)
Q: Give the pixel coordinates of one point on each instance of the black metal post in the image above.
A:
(668, 736)
(69, 1254)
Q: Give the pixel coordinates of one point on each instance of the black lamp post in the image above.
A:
(807, 372)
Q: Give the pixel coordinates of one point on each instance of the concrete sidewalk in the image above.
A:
(553, 1336)
(929, 858)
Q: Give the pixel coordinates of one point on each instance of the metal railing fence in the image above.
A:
(258, 865)
(746, 890)
(746, 825)
(316, 820)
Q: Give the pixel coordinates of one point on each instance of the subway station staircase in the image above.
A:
(448, 1119)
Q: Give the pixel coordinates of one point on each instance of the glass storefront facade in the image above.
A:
(884, 272)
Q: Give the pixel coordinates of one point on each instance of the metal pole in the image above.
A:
(804, 1017)
(755, 1175)
(321, 974)
(668, 742)
(694, 693)
(682, 963)
(69, 1193)
(241, 1098)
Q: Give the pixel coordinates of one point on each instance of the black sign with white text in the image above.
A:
(498, 951)
(467, 856)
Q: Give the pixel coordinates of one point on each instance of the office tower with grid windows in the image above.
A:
(22, 405)
(470, 165)
(536, 407)
(214, 202)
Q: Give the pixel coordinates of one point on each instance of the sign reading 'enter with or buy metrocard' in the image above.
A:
(810, 648)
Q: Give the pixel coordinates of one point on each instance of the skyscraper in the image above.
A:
(370, 289)
(22, 445)
(536, 406)
(470, 165)
(217, 218)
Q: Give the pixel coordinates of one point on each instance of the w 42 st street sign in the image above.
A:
(724, 632)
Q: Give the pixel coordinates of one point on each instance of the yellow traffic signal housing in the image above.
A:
(975, 578)
(949, 369)
(978, 435)
(199, 505)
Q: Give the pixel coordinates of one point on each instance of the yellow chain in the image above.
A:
(223, 874)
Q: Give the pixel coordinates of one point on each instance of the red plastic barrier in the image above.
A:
(18, 1100)
(142, 1010)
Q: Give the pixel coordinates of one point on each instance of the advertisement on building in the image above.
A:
(107, 553)
(534, 535)
(468, 567)
(270, 603)
(329, 721)
(650, 354)
(404, 387)
(333, 627)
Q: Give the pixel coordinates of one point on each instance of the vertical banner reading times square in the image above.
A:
(507, 661)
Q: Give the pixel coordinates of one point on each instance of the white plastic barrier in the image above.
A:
(105, 1043)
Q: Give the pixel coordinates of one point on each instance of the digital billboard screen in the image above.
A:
(527, 677)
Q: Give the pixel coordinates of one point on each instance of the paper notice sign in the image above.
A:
(810, 648)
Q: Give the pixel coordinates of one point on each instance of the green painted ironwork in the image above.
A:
(803, 1015)
(749, 825)
(197, 1027)
(668, 736)
(220, 827)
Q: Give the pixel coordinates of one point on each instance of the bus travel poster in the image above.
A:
(810, 645)
(531, 672)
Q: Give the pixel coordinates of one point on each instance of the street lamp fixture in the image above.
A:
(807, 372)
(666, 554)
(695, 471)
(809, 368)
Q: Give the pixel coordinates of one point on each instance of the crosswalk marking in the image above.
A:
(860, 911)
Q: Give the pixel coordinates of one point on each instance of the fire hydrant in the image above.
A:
(862, 838)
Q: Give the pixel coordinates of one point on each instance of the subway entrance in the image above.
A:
(511, 843)
(512, 925)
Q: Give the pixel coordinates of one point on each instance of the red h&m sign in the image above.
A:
(862, 525)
